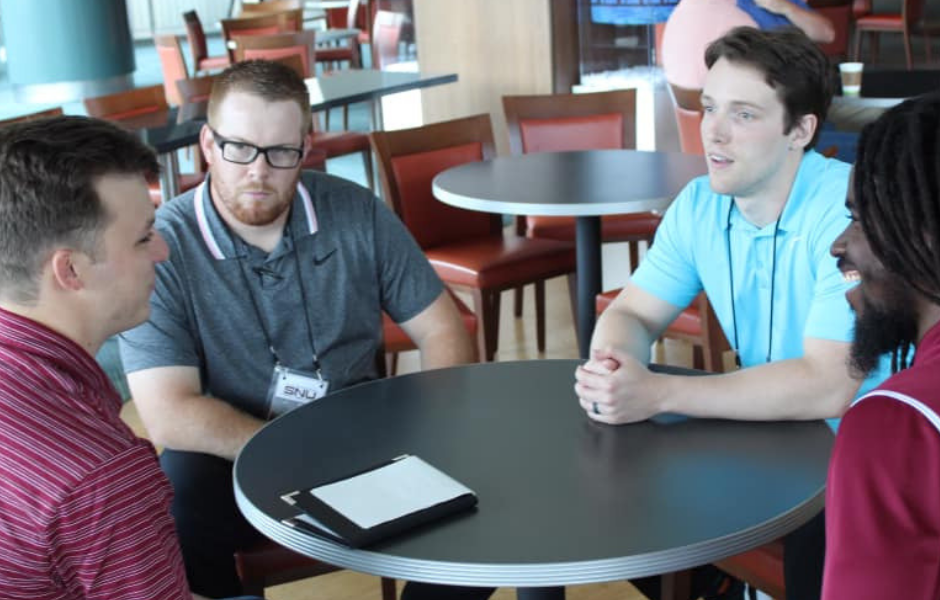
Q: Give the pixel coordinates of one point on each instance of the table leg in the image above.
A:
(676, 586)
(169, 175)
(550, 593)
(589, 277)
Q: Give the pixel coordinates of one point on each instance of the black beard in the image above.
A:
(881, 330)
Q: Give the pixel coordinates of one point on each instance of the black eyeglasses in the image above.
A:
(243, 153)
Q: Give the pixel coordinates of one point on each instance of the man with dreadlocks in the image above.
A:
(883, 497)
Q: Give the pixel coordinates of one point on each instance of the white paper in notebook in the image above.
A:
(402, 487)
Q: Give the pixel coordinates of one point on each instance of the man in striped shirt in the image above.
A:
(84, 507)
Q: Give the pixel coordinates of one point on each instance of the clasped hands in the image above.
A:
(613, 387)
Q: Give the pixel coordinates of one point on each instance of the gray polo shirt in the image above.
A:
(219, 302)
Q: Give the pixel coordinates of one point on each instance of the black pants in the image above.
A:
(804, 552)
(211, 529)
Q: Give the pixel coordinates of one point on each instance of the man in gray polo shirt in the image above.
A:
(274, 276)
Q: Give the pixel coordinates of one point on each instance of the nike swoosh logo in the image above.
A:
(319, 260)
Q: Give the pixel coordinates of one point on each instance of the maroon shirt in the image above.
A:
(883, 496)
(84, 506)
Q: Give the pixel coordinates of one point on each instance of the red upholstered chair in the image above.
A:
(278, 45)
(687, 104)
(841, 18)
(195, 89)
(905, 23)
(761, 568)
(468, 249)
(386, 33)
(270, 564)
(197, 46)
(396, 340)
(560, 122)
(52, 112)
(137, 108)
(172, 64)
(263, 24)
(269, 6)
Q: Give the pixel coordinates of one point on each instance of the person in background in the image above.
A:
(85, 508)
(883, 494)
(754, 234)
(276, 282)
(694, 24)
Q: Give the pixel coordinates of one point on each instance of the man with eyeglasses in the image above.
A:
(276, 275)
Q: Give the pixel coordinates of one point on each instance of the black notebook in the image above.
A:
(379, 502)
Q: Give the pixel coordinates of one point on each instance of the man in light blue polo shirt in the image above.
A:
(755, 236)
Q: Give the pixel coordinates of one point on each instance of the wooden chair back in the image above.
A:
(52, 112)
(172, 64)
(195, 89)
(263, 24)
(558, 122)
(410, 158)
(196, 36)
(278, 45)
(269, 6)
(129, 104)
(386, 33)
(687, 104)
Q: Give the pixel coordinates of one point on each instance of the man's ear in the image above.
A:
(802, 132)
(206, 141)
(66, 265)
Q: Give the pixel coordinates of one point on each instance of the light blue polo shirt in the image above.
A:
(691, 253)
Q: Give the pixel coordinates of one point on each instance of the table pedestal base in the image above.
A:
(549, 593)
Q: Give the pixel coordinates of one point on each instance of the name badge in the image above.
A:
(291, 388)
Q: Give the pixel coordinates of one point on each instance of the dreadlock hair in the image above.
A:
(897, 196)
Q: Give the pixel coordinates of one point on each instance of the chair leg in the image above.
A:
(698, 358)
(345, 117)
(875, 42)
(907, 50)
(391, 362)
(857, 47)
(634, 247)
(517, 300)
(540, 315)
(486, 306)
(388, 589)
(367, 166)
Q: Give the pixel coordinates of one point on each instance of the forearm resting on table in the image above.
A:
(794, 389)
(177, 416)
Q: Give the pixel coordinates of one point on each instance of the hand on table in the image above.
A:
(613, 387)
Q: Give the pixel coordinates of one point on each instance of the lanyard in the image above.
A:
(257, 308)
(773, 278)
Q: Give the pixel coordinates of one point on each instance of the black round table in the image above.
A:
(584, 184)
(562, 500)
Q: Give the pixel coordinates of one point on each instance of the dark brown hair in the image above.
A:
(48, 171)
(270, 80)
(792, 64)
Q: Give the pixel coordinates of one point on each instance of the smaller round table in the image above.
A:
(584, 184)
(562, 500)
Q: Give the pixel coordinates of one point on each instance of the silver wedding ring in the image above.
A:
(595, 409)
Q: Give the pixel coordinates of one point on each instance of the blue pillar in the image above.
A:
(66, 50)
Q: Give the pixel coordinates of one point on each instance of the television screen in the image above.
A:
(631, 12)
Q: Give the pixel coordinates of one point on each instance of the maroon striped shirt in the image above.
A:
(84, 506)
